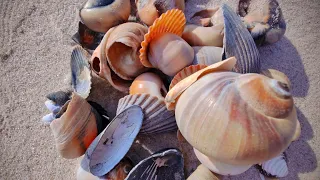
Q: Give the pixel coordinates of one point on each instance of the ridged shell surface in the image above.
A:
(275, 167)
(157, 119)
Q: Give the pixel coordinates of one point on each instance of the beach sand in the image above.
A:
(35, 49)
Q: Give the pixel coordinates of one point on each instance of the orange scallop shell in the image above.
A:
(173, 21)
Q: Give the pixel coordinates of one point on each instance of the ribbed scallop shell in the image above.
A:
(185, 73)
(157, 119)
(239, 43)
(207, 55)
(75, 129)
(275, 167)
(234, 118)
(172, 21)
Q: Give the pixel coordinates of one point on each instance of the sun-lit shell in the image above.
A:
(157, 119)
(150, 10)
(101, 15)
(76, 128)
(81, 74)
(207, 55)
(112, 144)
(204, 36)
(148, 83)
(226, 115)
(275, 167)
(166, 164)
(172, 21)
(203, 173)
(275, 74)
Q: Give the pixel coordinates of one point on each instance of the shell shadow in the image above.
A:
(283, 56)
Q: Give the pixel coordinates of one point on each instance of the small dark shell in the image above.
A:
(167, 164)
(59, 97)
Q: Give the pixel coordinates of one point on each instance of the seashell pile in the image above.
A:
(201, 79)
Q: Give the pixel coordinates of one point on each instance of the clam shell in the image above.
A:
(107, 149)
(101, 15)
(239, 43)
(166, 164)
(185, 73)
(207, 55)
(81, 74)
(202, 173)
(157, 119)
(75, 129)
(275, 167)
(172, 21)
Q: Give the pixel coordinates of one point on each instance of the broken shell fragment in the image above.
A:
(150, 10)
(81, 74)
(107, 149)
(275, 167)
(167, 164)
(207, 55)
(100, 15)
(203, 173)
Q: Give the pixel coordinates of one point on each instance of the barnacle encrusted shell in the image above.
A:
(75, 128)
(101, 15)
(226, 115)
(149, 10)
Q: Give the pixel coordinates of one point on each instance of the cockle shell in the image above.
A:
(81, 74)
(163, 48)
(107, 149)
(226, 115)
(167, 164)
(202, 173)
(150, 10)
(207, 55)
(275, 167)
(101, 15)
(75, 127)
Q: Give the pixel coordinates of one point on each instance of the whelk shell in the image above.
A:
(107, 149)
(275, 167)
(167, 164)
(101, 15)
(150, 10)
(203, 173)
(226, 115)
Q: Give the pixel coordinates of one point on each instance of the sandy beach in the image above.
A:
(35, 49)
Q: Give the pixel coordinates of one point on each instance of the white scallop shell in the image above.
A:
(275, 167)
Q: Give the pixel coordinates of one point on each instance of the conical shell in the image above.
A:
(107, 150)
(239, 43)
(275, 167)
(172, 21)
(75, 129)
(174, 93)
(81, 74)
(226, 115)
(166, 164)
(207, 55)
(185, 73)
(203, 173)
(100, 15)
(157, 119)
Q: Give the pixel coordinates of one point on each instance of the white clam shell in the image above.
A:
(275, 167)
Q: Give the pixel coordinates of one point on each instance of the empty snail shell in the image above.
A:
(100, 15)
(150, 10)
(203, 173)
(226, 115)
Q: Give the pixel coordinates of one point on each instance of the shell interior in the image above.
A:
(106, 151)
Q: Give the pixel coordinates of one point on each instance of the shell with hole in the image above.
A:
(149, 10)
(101, 15)
(163, 47)
(226, 115)
(76, 126)
(148, 91)
(117, 57)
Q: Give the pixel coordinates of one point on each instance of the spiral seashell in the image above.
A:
(226, 115)
(275, 167)
(75, 127)
(150, 10)
(100, 15)
(112, 144)
(81, 75)
(166, 164)
(203, 173)
(207, 55)
(163, 48)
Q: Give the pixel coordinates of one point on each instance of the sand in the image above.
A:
(35, 48)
